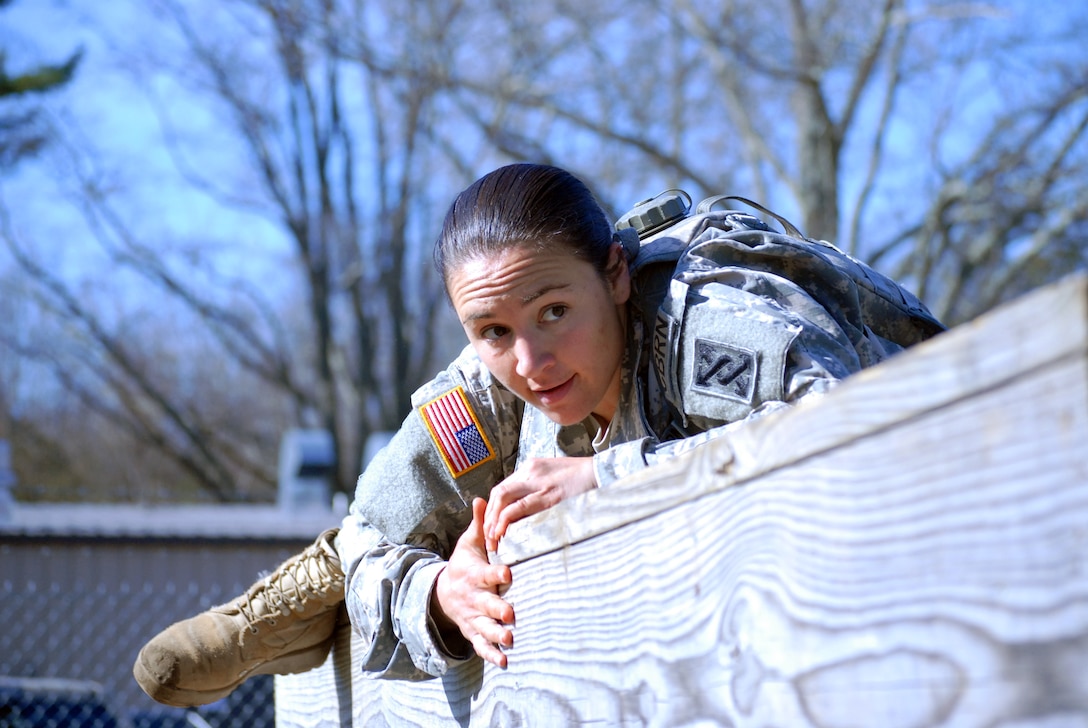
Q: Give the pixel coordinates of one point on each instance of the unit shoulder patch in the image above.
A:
(725, 370)
(457, 432)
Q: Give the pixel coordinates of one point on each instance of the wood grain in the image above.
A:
(966, 362)
(910, 551)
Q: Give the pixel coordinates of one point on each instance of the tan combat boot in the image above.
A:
(282, 624)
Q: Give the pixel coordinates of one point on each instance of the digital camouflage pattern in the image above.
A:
(728, 321)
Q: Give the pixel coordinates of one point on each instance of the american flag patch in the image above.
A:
(456, 432)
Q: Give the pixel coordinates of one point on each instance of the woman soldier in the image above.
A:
(573, 378)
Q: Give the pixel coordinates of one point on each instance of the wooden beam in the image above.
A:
(911, 550)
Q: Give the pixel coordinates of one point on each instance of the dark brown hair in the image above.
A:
(531, 205)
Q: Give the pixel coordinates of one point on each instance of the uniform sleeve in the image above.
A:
(389, 589)
(410, 508)
(627, 458)
(734, 346)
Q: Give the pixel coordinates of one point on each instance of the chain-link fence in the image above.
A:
(67, 644)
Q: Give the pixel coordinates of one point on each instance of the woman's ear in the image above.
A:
(619, 274)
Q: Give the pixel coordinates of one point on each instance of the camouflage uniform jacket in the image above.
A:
(710, 346)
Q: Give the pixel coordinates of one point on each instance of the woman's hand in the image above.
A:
(466, 594)
(537, 485)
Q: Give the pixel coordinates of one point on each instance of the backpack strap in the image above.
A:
(707, 205)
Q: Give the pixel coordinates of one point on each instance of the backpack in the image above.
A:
(757, 274)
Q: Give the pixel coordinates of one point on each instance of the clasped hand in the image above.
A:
(467, 593)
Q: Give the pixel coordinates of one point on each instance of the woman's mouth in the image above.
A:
(552, 396)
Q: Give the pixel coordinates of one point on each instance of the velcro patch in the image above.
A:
(456, 432)
(724, 370)
(733, 351)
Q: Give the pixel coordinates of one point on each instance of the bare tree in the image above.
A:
(885, 127)
(1005, 211)
(339, 160)
(128, 373)
(805, 106)
(337, 156)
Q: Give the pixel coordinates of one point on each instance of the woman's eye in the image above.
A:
(554, 313)
(493, 333)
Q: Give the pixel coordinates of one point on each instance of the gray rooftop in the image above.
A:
(164, 521)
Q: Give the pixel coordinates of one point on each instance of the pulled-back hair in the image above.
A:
(523, 205)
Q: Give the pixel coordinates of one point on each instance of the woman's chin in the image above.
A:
(562, 416)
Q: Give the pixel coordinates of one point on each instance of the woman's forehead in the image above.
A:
(516, 276)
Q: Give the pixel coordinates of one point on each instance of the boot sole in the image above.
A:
(295, 662)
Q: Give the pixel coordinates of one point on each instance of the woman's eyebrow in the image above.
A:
(477, 316)
(527, 299)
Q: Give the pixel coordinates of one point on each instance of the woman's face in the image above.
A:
(548, 327)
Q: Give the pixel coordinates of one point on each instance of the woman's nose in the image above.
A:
(533, 356)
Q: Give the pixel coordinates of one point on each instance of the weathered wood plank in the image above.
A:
(849, 586)
(1021, 338)
(910, 551)
(327, 696)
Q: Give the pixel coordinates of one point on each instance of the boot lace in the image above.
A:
(310, 574)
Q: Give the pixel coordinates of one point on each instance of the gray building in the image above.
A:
(83, 587)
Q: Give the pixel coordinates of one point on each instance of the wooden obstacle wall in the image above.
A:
(911, 550)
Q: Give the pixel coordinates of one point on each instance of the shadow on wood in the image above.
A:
(911, 550)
